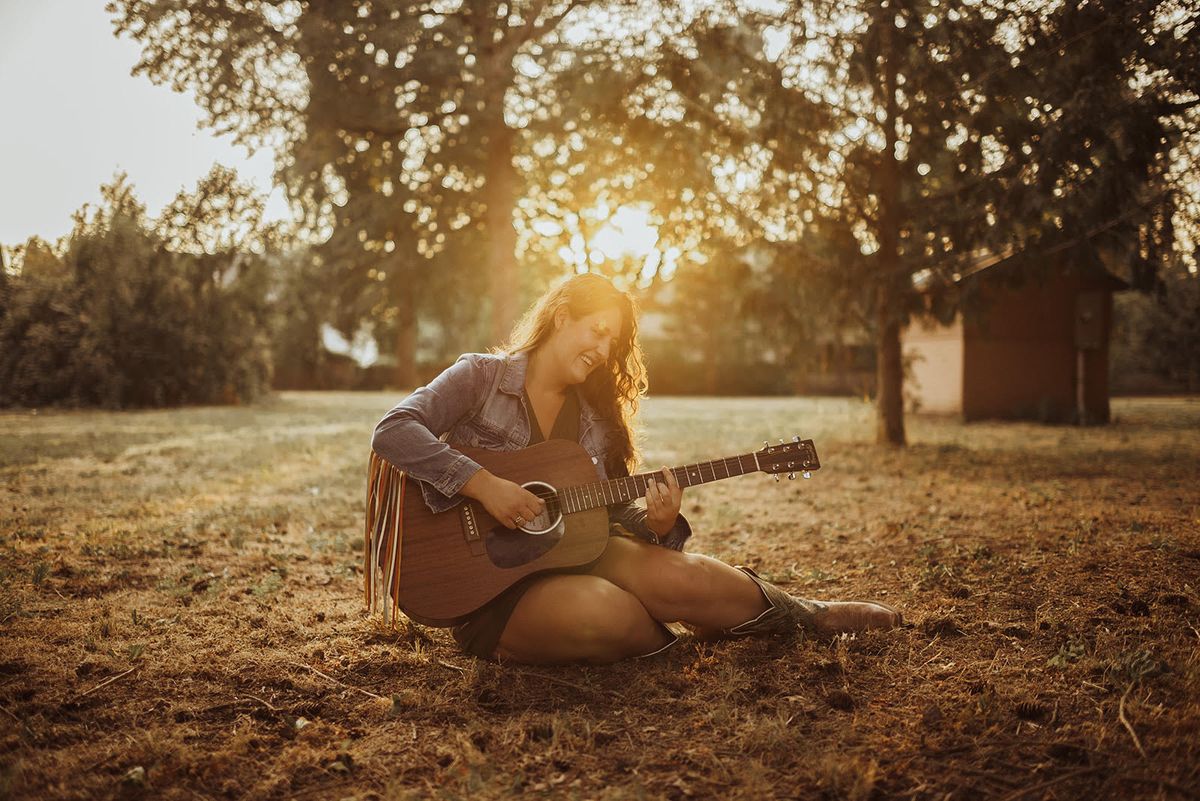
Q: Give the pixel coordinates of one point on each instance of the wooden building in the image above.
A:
(1032, 351)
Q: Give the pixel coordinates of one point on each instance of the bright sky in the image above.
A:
(74, 116)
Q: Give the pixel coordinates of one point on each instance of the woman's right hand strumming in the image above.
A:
(510, 503)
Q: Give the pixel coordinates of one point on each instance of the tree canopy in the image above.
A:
(845, 148)
(885, 140)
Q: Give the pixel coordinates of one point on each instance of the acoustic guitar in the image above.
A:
(439, 568)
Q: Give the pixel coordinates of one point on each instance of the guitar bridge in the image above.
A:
(470, 527)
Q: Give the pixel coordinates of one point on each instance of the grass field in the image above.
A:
(181, 617)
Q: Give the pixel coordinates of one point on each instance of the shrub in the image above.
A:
(117, 318)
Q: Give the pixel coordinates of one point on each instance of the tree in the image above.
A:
(1036, 134)
(885, 139)
(116, 318)
(1158, 334)
(396, 124)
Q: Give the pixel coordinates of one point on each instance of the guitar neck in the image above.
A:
(619, 490)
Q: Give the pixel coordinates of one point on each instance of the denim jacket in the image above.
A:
(479, 402)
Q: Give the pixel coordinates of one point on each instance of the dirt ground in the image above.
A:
(181, 616)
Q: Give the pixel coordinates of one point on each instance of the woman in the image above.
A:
(573, 370)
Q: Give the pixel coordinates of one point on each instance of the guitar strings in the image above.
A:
(555, 499)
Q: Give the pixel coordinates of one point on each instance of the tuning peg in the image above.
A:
(791, 476)
(781, 440)
(766, 444)
(806, 474)
(777, 477)
(796, 438)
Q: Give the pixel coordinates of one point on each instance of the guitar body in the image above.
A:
(454, 562)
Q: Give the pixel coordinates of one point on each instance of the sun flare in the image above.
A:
(626, 234)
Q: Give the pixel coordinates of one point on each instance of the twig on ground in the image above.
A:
(244, 697)
(1125, 721)
(106, 682)
(265, 703)
(452, 667)
(13, 715)
(367, 693)
(6, 711)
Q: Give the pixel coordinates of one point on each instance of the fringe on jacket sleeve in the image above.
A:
(383, 538)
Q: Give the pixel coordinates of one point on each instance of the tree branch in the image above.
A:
(1179, 108)
(518, 37)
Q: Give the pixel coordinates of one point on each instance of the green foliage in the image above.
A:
(1068, 653)
(119, 319)
(268, 585)
(876, 141)
(863, 142)
(1156, 342)
(302, 304)
(737, 324)
(396, 131)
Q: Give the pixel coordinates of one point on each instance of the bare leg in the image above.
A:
(577, 618)
(713, 597)
(689, 587)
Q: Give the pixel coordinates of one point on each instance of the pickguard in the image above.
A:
(514, 547)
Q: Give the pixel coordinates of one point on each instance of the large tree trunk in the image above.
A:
(500, 194)
(889, 371)
(889, 377)
(404, 293)
(406, 375)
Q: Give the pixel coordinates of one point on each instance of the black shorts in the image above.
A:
(480, 633)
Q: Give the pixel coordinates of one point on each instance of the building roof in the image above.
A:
(987, 263)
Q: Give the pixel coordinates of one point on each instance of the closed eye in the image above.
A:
(601, 333)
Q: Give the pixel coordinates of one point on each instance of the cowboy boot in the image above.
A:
(787, 614)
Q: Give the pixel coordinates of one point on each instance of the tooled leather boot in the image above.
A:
(787, 614)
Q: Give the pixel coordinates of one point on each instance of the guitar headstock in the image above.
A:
(799, 455)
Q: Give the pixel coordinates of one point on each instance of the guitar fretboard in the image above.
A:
(619, 490)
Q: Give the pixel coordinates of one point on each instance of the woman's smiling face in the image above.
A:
(582, 344)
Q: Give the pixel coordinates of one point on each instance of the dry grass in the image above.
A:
(206, 561)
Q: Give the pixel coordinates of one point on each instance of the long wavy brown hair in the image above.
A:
(613, 389)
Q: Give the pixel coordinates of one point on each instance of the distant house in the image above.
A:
(1033, 351)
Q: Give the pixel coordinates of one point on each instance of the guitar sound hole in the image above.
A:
(516, 547)
(549, 519)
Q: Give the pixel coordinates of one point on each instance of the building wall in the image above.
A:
(934, 354)
(1019, 379)
(1015, 357)
(1021, 359)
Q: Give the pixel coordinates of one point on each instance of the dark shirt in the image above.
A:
(566, 425)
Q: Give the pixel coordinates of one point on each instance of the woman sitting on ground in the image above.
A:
(573, 370)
